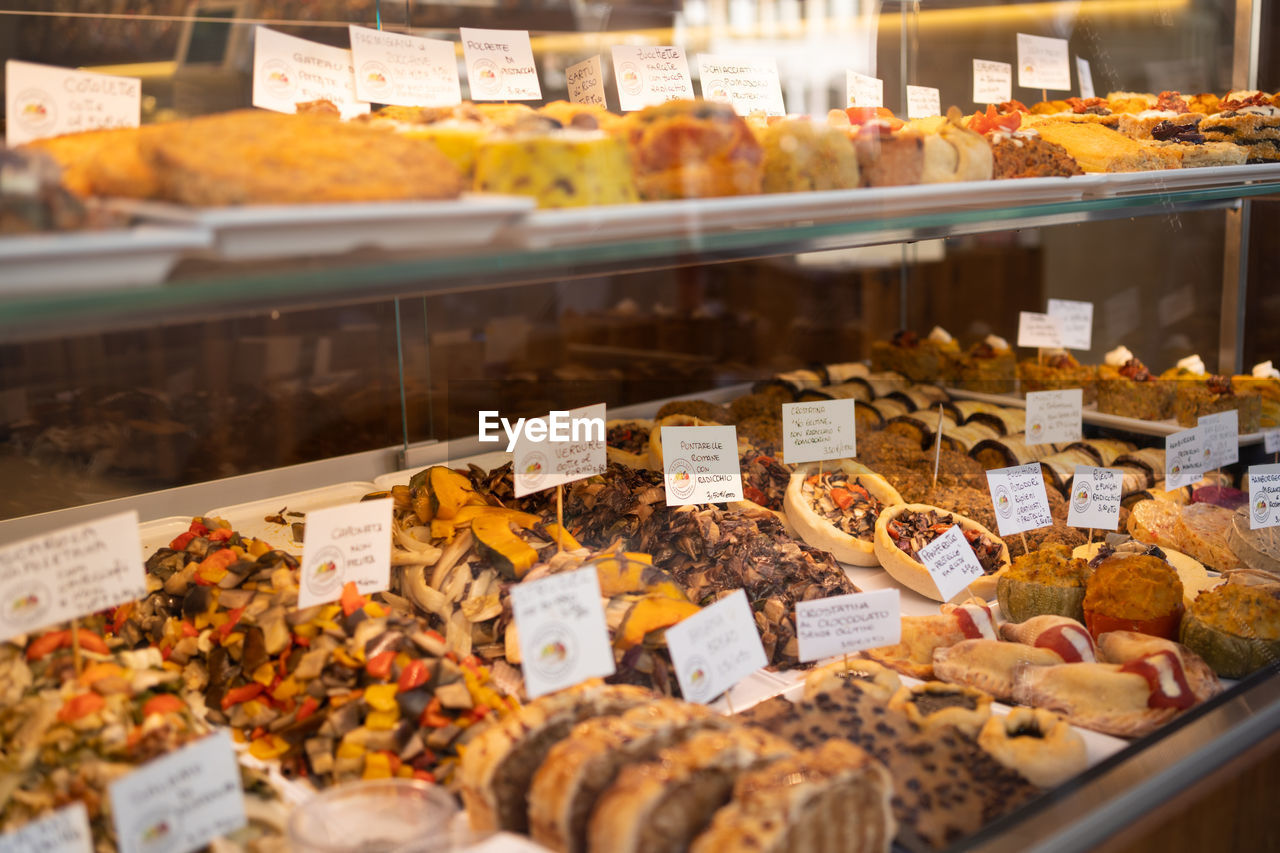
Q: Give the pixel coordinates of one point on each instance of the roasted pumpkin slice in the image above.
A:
(635, 573)
(563, 537)
(495, 538)
(439, 492)
(648, 614)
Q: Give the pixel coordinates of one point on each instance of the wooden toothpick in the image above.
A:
(937, 446)
(1026, 549)
(1090, 542)
(560, 518)
(728, 700)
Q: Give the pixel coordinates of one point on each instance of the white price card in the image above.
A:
(345, 544)
(1019, 498)
(749, 83)
(715, 648)
(650, 74)
(1271, 440)
(1221, 438)
(1053, 417)
(181, 801)
(863, 90)
(560, 448)
(585, 81)
(1264, 496)
(1086, 77)
(700, 464)
(500, 65)
(923, 102)
(1075, 320)
(564, 639)
(848, 623)
(288, 71)
(69, 573)
(951, 562)
(992, 82)
(63, 831)
(1183, 458)
(1038, 330)
(825, 429)
(44, 100)
(1095, 498)
(394, 68)
(1043, 63)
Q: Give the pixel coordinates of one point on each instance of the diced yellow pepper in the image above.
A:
(377, 766)
(257, 548)
(405, 772)
(286, 689)
(382, 721)
(347, 749)
(381, 697)
(265, 674)
(268, 747)
(211, 573)
(307, 630)
(374, 610)
(341, 657)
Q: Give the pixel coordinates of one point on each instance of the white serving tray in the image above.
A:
(159, 533)
(1165, 180)
(250, 519)
(91, 260)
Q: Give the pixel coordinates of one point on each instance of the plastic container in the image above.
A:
(401, 815)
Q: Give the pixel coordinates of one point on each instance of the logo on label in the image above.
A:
(1080, 498)
(25, 603)
(377, 78)
(716, 90)
(323, 575)
(630, 79)
(1004, 505)
(278, 76)
(555, 652)
(157, 832)
(1176, 469)
(1260, 508)
(535, 466)
(699, 679)
(36, 111)
(486, 77)
(680, 479)
(1035, 430)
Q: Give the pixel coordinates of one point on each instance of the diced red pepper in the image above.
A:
(198, 528)
(182, 540)
(222, 534)
(754, 495)
(432, 717)
(309, 707)
(842, 497)
(233, 617)
(47, 643)
(120, 616)
(165, 703)
(80, 706)
(424, 776)
(352, 600)
(189, 630)
(90, 642)
(379, 666)
(236, 695)
(214, 561)
(415, 674)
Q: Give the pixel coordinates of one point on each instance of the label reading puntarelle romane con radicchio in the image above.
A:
(848, 623)
(1095, 498)
(700, 464)
(1019, 498)
(560, 622)
(345, 544)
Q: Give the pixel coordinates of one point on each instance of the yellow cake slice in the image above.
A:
(1100, 149)
(564, 168)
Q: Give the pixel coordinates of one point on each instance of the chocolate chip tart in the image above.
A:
(902, 530)
(836, 510)
(936, 704)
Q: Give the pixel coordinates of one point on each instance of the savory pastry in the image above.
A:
(875, 679)
(922, 635)
(1020, 152)
(1250, 120)
(1200, 531)
(987, 665)
(1263, 382)
(901, 531)
(889, 157)
(1098, 148)
(919, 359)
(1126, 387)
(988, 366)
(951, 152)
(935, 704)
(693, 149)
(559, 168)
(712, 413)
(1235, 628)
(1037, 743)
(104, 162)
(1057, 371)
(1131, 103)
(456, 132)
(1257, 549)
(1126, 700)
(836, 510)
(581, 116)
(802, 155)
(627, 442)
(1065, 637)
(1046, 581)
(1195, 578)
(1133, 592)
(1128, 646)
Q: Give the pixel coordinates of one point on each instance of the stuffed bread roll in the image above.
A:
(627, 442)
(901, 531)
(837, 510)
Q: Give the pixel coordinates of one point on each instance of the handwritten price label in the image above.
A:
(715, 648)
(345, 544)
(650, 75)
(500, 65)
(848, 623)
(44, 100)
(951, 562)
(1095, 497)
(1019, 498)
(586, 82)
(564, 639)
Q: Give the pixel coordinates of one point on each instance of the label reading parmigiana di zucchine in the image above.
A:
(700, 464)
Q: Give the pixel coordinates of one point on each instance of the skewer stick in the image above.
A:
(846, 661)
(728, 700)
(1090, 542)
(937, 446)
(1026, 549)
(75, 647)
(560, 518)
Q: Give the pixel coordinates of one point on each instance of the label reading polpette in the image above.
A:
(1264, 496)
(1053, 417)
(923, 102)
(1019, 498)
(1086, 77)
(404, 70)
(63, 831)
(1271, 440)
(951, 562)
(847, 623)
(585, 81)
(992, 82)
(500, 65)
(715, 648)
(1221, 438)
(648, 75)
(560, 448)
(1183, 458)
(1038, 330)
(862, 90)
(700, 464)
(288, 71)
(345, 544)
(181, 801)
(812, 432)
(69, 573)
(1095, 498)
(1075, 322)
(564, 639)
(748, 83)
(45, 100)
(1043, 63)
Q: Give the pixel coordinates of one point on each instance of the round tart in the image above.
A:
(627, 442)
(935, 703)
(902, 530)
(1046, 581)
(1133, 592)
(873, 678)
(1037, 743)
(837, 509)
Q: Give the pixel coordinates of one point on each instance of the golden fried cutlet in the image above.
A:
(103, 162)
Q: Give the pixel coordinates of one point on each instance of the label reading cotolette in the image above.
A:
(700, 464)
(1075, 322)
(1039, 330)
(1043, 63)
(923, 102)
(560, 448)
(564, 639)
(1221, 438)
(862, 90)
(1264, 496)
(1019, 498)
(951, 562)
(749, 84)
(69, 573)
(648, 75)
(825, 429)
(715, 648)
(44, 100)
(585, 81)
(992, 82)
(1095, 497)
(345, 544)
(1053, 417)
(848, 623)
(288, 71)
(63, 831)
(500, 65)
(1183, 458)
(1086, 77)
(393, 68)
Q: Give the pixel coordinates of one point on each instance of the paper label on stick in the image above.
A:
(180, 801)
(564, 639)
(69, 573)
(1053, 417)
(1221, 438)
(63, 831)
(44, 100)
(992, 82)
(1095, 497)
(394, 68)
(700, 464)
(1086, 77)
(1075, 322)
(345, 544)
(1183, 458)
(560, 448)
(748, 83)
(862, 90)
(648, 75)
(848, 623)
(1271, 440)
(923, 102)
(715, 648)
(951, 562)
(825, 429)
(585, 81)
(1043, 63)
(288, 71)
(1264, 496)
(1038, 330)
(1019, 498)
(500, 65)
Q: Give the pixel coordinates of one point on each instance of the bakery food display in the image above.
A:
(1126, 387)
(836, 509)
(1036, 743)
(693, 149)
(1234, 627)
(935, 704)
(1046, 581)
(564, 168)
(901, 531)
(1133, 592)
(801, 155)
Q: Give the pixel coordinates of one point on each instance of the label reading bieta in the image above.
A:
(345, 544)
(825, 429)
(1019, 498)
(992, 82)
(700, 464)
(1264, 496)
(1053, 417)
(500, 65)
(63, 831)
(1095, 498)
(749, 84)
(862, 90)
(923, 102)
(715, 648)
(585, 81)
(563, 636)
(848, 623)
(558, 449)
(1075, 322)
(393, 68)
(288, 71)
(648, 75)
(951, 562)
(69, 573)
(1043, 63)
(1039, 330)
(44, 100)
(1221, 438)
